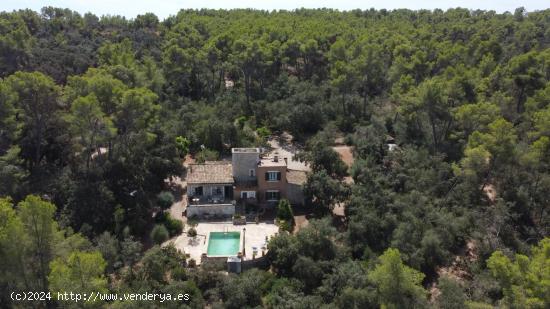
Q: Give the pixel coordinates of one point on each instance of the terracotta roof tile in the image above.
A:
(296, 177)
(210, 172)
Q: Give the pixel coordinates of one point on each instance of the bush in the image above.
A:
(206, 155)
(182, 145)
(174, 226)
(193, 222)
(179, 274)
(159, 234)
(192, 232)
(263, 132)
(160, 217)
(165, 199)
(284, 211)
(285, 217)
(241, 121)
(285, 225)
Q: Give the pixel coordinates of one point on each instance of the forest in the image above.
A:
(96, 112)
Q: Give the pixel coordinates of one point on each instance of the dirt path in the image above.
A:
(346, 154)
(339, 210)
(178, 187)
(300, 222)
(491, 192)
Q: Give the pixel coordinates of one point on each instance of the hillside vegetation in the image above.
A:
(97, 112)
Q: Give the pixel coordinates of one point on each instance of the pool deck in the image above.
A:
(255, 237)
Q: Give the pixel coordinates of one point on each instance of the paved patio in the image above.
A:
(255, 237)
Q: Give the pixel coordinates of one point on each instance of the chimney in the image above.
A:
(276, 158)
(286, 161)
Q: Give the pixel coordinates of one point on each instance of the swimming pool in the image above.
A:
(223, 243)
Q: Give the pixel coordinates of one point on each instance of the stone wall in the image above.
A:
(261, 262)
(218, 210)
(295, 194)
(243, 162)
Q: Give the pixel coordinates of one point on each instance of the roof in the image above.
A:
(269, 162)
(296, 177)
(274, 160)
(210, 172)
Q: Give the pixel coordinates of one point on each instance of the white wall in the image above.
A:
(225, 210)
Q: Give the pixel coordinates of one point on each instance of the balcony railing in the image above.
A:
(209, 200)
(247, 183)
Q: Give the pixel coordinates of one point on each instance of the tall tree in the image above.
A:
(343, 73)
(430, 112)
(81, 272)
(397, 285)
(491, 152)
(12, 232)
(526, 281)
(15, 43)
(38, 97)
(527, 77)
(37, 218)
(248, 58)
(8, 123)
(371, 73)
(92, 127)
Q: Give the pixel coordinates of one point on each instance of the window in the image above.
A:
(273, 176)
(252, 173)
(217, 190)
(198, 191)
(272, 195)
(248, 194)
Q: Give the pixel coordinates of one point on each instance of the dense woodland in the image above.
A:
(96, 112)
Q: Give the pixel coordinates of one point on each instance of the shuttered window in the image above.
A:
(248, 194)
(272, 195)
(273, 176)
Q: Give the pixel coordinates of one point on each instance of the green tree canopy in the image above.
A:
(525, 280)
(397, 285)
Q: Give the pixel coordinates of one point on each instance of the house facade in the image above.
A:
(217, 188)
(210, 190)
(272, 182)
(245, 162)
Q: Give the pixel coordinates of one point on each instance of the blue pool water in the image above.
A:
(223, 243)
